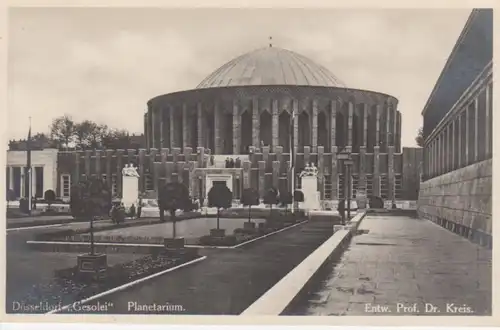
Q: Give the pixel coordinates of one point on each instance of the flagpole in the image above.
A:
(29, 178)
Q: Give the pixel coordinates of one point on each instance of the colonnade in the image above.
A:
(233, 131)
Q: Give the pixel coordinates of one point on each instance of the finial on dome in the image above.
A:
(270, 41)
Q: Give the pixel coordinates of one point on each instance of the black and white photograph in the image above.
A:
(249, 162)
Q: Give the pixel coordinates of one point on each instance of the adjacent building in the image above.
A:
(457, 175)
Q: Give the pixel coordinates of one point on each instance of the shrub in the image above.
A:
(10, 196)
(24, 205)
(50, 197)
(172, 197)
(220, 197)
(271, 197)
(375, 202)
(250, 197)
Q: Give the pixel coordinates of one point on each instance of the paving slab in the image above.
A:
(399, 265)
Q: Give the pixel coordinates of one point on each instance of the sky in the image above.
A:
(104, 64)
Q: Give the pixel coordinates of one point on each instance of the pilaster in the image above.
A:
(156, 176)
(180, 172)
(188, 151)
(142, 152)
(321, 171)
(334, 174)
(217, 127)
(276, 174)
(467, 136)
(191, 165)
(164, 154)
(255, 123)
(275, 125)
(349, 123)
(262, 178)
(201, 157)
(333, 124)
(185, 126)
(153, 130)
(387, 127)
(362, 171)
(109, 174)
(173, 136)
(175, 154)
(76, 170)
(199, 118)
(365, 124)
(162, 137)
(307, 155)
(390, 172)
(377, 125)
(119, 168)
(87, 163)
(376, 171)
(236, 128)
(295, 108)
(314, 126)
(246, 174)
(97, 164)
(476, 129)
(279, 154)
(169, 170)
(487, 133)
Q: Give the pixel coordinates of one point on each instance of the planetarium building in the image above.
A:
(254, 109)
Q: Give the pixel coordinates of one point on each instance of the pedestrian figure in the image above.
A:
(341, 209)
(212, 160)
(237, 163)
(231, 163)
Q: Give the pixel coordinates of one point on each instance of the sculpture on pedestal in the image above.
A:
(130, 170)
(309, 170)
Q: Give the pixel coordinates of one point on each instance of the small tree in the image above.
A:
(219, 197)
(172, 197)
(271, 197)
(420, 137)
(250, 197)
(298, 196)
(50, 197)
(11, 196)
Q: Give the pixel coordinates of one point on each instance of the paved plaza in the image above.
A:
(406, 261)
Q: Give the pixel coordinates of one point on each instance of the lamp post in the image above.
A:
(346, 157)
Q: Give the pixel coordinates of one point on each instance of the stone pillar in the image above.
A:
(394, 126)
(476, 129)
(295, 108)
(365, 124)
(246, 174)
(87, 163)
(109, 174)
(156, 176)
(449, 148)
(390, 172)
(173, 137)
(201, 157)
(131, 156)
(262, 179)
(276, 174)
(377, 126)
(188, 151)
(147, 134)
(289, 177)
(199, 125)
(321, 171)
(265, 155)
(349, 123)
(275, 125)
(191, 165)
(255, 123)
(169, 170)
(387, 127)
(376, 171)
(333, 124)
(453, 144)
(119, 168)
(153, 135)
(164, 154)
(217, 127)
(467, 137)
(236, 128)
(175, 154)
(334, 174)
(307, 155)
(162, 138)
(279, 154)
(185, 127)
(361, 191)
(97, 164)
(314, 126)
(180, 172)
(76, 170)
(141, 169)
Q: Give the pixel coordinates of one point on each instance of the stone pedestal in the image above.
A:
(93, 266)
(249, 225)
(130, 191)
(361, 200)
(217, 232)
(174, 243)
(312, 198)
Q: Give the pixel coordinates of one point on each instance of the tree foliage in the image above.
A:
(172, 197)
(420, 137)
(271, 197)
(49, 196)
(250, 197)
(298, 196)
(220, 197)
(62, 130)
(90, 198)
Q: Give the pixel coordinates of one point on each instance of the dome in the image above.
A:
(271, 66)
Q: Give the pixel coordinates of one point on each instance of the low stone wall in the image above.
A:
(460, 200)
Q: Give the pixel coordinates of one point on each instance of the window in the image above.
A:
(328, 186)
(65, 185)
(384, 187)
(397, 187)
(114, 185)
(369, 184)
(149, 182)
(39, 182)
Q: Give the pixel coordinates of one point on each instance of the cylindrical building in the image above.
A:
(249, 101)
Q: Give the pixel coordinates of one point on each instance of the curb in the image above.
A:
(125, 286)
(276, 299)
